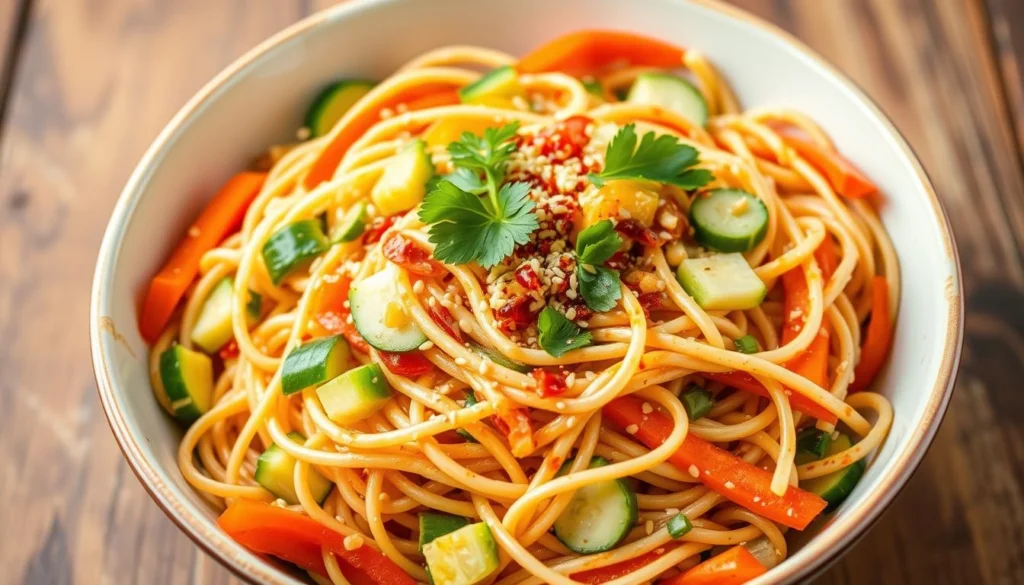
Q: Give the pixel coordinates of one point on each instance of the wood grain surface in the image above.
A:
(87, 84)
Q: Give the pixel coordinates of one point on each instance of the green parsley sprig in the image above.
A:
(559, 335)
(658, 158)
(464, 227)
(599, 285)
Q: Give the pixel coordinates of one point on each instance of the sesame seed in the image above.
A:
(418, 287)
(426, 345)
(729, 485)
(649, 527)
(560, 405)
(460, 361)
(353, 542)
(646, 408)
(694, 471)
(632, 429)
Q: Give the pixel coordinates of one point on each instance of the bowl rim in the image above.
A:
(817, 555)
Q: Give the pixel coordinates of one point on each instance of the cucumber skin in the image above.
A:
(699, 118)
(433, 525)
(631, 503)
(285, 251)
(355, 394)
(835, 487)
(364, 314)
(481, 87)
(314, 362)
(206, 333)
(174, 383)
(266, 462)
(317, 126)
(711, 238)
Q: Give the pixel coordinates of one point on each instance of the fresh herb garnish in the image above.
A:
(559, 335)
(467, 228)
(658, 158)
(599, 285)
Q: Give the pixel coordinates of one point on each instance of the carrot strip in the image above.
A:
(612, 572)
(221, 216)
(879, 336)
(331, 316)
(841, 174)
(732, 567)
(358, 120)
(728, 475)
(589, 51)
(298, 539)
(747, 383)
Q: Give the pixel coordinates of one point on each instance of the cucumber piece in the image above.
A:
(369, 300)
(593, 87)
(599, 516)
(672, 93)
(729, 220)
(463, 557)
(275, 471)
(213, 328)
(293, 247)
(332, 102)
(187, 377)
(835, 487)
(351, 225)
(723, 281)
(497, 88)
(254, 307)
(746, 344)
(404, 182)
(354, 395)
(470, 401)
(499, 358)
(678, 525)
(811, 445)
(697, 401)
(314, 363)
(433, 525)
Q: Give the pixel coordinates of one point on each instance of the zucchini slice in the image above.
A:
(374, 308)
(678, 525)
(354, 395)
(672, 93)
(729, 220)
(495, 88)
(314, 363)
(403, 184)
(463, 557)
(434, 525)
(293, 247)
(213, 328)
(811, 445)
(187, 377)
(275, 471)
(499, 358)
(350, 225)
(332, 102)
(599, 516)
(835, 487)
(723, 281)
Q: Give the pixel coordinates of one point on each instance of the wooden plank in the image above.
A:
(1007, 20)
(14, 18)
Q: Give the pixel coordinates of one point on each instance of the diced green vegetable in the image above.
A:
(721, 282)
(354, 395)
(679, 525)
(470, 401)
(293, 247)
(811, 445)
(672, 93)
(314, 363)
(404, 182)
(836, 486)
(499, 358)
(275, 471)
(213, 328)
(594, 87)
(351, 225)
(187, 378)
(464, 557)
(254, 307)
(372, 300)
(746, 344)
(433, 525)
(331, 104)
(729, 220)
(599, 516)
(497, 87)
(697, 401)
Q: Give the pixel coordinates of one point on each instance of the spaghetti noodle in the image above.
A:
(719, 426)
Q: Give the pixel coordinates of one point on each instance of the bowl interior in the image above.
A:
(261, 99)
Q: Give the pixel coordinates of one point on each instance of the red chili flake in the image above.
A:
(378, 227)
(651, 301)
(583, 312)
(410, 364)
(444, 319)
(527, 277)
(549, 383)
(230, 350)
(515, 315)
(403, 252)
(618, 261)
(637, 232)
(682, 225)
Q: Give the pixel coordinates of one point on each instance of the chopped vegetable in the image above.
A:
(841, 174)
(293, 247)
(351, 225)
(314, 363)
(599, 516)
(811, 445)
(721, 282)
(879, 335)
(463, 557)
(379, 316)
(662, 159)
(559, 335)
(597, 243)
(331, 312)
(499, 358)
(275, 471)
(678, 526)
(747, 383)
(611, 572)
(621, 199)
(213, 327)
(590, 51)
(331, 104)
(187, 378)
(221, 216)
(697, 401)
(404, 182)
(730, 476)
(672, 93)
(735, 566)
(746, 344)
(729, 220)
(495, 88)
(299, 539)
(433, 525)
(837, 486)
(354, 395)
(599, 286)
(410, 364)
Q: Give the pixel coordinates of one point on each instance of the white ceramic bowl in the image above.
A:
(260, 99)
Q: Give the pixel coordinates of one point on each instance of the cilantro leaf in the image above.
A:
(487, 153)
(465, 229)
(597, 243)
(559, 335)
(658, 158)
(600, 288)
(467, 180)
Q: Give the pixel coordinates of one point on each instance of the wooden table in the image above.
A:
(86, 85)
